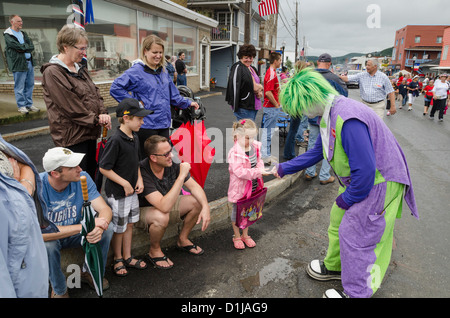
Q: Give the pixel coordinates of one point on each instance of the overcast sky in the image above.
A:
(339, 27)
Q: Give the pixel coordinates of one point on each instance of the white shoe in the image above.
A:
(23, 110)
(334, 293)
(33, 109)
(409, 108)
(388, 113)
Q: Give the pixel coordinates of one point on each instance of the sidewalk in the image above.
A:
(9, 112)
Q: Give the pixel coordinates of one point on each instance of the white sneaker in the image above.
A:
(23, 110)
(409, 108)
(334, 293)
(33, 109)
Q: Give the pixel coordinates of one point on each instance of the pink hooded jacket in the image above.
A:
(240, 170)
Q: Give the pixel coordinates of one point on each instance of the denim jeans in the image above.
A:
(289, 145)
(325, 169)
(23, 86)
(242, 113)
(57, 277)
(181, 79)
(303, 126)
(271, 115)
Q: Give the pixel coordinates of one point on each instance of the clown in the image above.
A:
(374, 179)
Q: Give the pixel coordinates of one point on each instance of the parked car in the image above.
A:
(353, 83)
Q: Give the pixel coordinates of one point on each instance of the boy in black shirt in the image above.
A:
(120, 165)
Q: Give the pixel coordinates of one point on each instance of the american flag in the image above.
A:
(267, 7)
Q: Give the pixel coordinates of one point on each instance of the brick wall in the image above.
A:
(8, 88)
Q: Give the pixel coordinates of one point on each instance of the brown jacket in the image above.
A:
(73, 104)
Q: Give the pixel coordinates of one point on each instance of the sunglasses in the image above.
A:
(167, 154)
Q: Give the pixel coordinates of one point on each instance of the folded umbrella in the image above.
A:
(100, 148)
(93, 252)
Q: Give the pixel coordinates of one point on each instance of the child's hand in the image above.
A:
(269, 171)
(128, 189)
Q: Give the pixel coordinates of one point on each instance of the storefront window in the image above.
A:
(113, 37)
(112, 40)
(41, 20)
(151, 24)
(185, 39)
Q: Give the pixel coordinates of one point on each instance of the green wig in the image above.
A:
(306, 90)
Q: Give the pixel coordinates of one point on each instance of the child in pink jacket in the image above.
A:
(245, 165)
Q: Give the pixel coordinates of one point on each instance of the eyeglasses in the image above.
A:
(81, 48)
(167, 154)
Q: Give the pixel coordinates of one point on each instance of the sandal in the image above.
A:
(188, 249)
(118, 268)
(154, 260)
(248, 241)
(136, 265)
(238, 244)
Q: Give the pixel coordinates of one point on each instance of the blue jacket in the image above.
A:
(23, 257)
(154, 88)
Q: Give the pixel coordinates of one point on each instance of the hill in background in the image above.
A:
(342, 59)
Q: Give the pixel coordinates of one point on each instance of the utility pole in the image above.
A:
(296, 31)
(248, 11)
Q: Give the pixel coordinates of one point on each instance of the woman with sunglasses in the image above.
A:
(74, 105)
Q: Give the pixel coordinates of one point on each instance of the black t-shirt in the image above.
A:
(180, 66)
(121, 155)
(152, 183)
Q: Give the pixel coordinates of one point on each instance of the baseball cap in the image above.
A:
(61, 157)
(325, 57)
(131, 107)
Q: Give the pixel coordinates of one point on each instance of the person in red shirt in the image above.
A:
(428, 96)
(271, 107)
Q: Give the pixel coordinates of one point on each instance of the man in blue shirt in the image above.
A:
(20, 61)
(63, 196)
(374, 88)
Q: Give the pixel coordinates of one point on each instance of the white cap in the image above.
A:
(61, 157)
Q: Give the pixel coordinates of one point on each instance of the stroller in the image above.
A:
(181, 116)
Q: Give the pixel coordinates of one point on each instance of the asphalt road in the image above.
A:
(293, 231)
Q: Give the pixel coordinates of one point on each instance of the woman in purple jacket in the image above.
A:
(149, 82)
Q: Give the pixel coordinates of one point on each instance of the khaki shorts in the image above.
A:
(174, 214)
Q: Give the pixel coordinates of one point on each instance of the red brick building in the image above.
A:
(416, 45)
(445, 56)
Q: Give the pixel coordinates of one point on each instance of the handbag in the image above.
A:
(249, 208)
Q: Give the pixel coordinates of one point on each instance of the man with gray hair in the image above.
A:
(20, 61)
(374, 87)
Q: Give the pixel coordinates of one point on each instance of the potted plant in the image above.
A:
(212, 82)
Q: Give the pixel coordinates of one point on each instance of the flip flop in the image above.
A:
(188, 249)
(154, 260)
